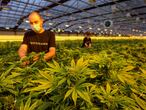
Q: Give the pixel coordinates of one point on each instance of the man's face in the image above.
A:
(36, 22)
(87, 36)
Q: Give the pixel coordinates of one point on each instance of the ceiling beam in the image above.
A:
(39, 10)
(86, 9)
(141, 7)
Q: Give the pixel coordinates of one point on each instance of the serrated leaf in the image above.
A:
(44, 106)
(135, 91)
(46, 75)
(8, 81)
(108, 88)
(4, 74)
(93, 75)
(50, 90)
(103, 90)
(56, 64)
(68, 93)
(55, 67)
(81, 95)
(68, 82)
(84, 96)
(74, 96)
(61, 81)
(38, 88)
(99, 96)
(114, 91)
(95, 108)
(51, 65)
(12, 91)
(73, 63)
(140, 102)
(82, 63)
(144, 87)
(40, 81)
(135, 108)
(27, 104)
(34, 105)
(87, 97)
(22, 106)
(93, 88)
(84, 84)
(128, 68)
(143, 71)
(14, 74)
(120, 77)
(129, 79)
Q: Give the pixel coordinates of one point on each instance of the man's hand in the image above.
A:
(50, 54)
(22, 51)
(86, 45)
(25, 63)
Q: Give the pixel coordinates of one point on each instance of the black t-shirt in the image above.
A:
(39, 42)
(86, 41)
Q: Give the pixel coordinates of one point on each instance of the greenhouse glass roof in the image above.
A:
(96, 16)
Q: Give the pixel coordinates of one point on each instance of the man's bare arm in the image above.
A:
(22, 51)
(50, 54)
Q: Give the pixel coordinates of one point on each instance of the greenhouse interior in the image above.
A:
(72, 54)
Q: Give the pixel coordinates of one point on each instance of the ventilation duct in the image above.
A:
(108, 23)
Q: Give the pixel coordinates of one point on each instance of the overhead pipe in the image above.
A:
(39, 10)
(99, 15)
(86, 9)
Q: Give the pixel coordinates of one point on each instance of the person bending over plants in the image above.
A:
(37, 40)
(87, 40)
